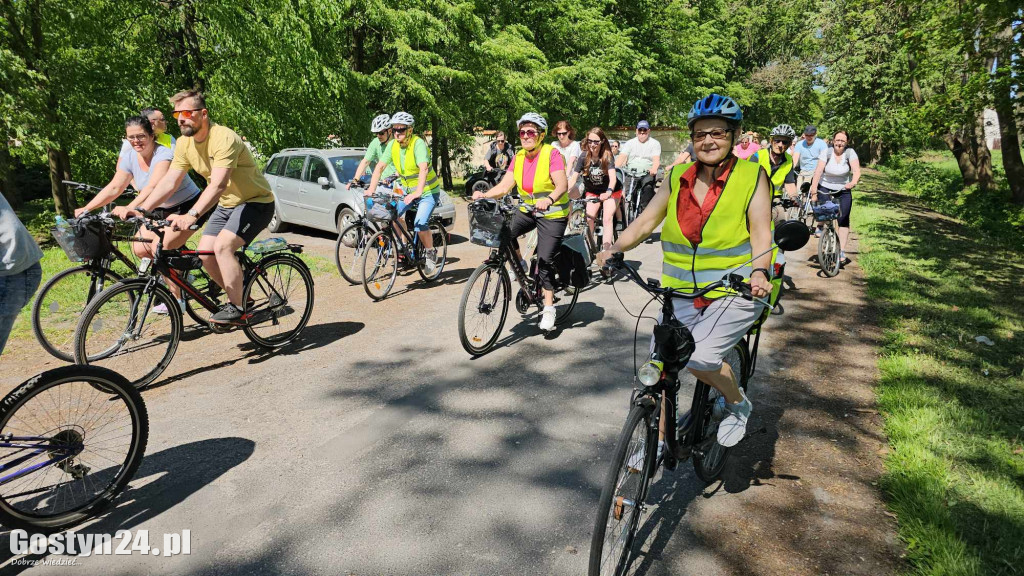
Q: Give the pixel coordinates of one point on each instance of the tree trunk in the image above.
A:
(964, 159)
(982, 156)
(191, 41)
(446, 168)
(1009, 136)
(63, 199)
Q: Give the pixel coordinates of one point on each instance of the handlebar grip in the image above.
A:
(736, 283)
(612, 264)
(146, 213)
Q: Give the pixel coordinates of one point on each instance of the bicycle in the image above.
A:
(693, 436)
(118, 328)
(385, 247)
(801, 210)
(352, 243)
(70, 440)
(828, 244)
(90, 240)
(578, 227)
(633, 204)
(490, 227)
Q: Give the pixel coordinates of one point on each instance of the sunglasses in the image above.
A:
(560, 134)
(399, 130)
(778, 141)
(528, 133)
(642, 130)
(186, 114)
(716, 134)
(500, 141)
(593, 142)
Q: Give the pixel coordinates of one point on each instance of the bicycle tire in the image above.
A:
(117, 396)
(63, 348)
(349, 249)
(828, 251)
(205, 283)
(504, 284)
(382, 249)
(709, 462)
(264, 301)
(440, 237)
(562, 312)
(623, 481)
(91, 331)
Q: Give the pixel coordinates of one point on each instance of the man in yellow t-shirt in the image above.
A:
(237, 192)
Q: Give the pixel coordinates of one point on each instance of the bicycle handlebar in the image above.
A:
(733, 281)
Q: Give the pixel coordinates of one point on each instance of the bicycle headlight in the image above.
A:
(650, 373)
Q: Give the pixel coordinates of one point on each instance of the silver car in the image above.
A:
(311, 188)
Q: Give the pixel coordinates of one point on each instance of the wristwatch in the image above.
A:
(193, 213)
(767, 273)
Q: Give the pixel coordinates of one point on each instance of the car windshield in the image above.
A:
(345, 167)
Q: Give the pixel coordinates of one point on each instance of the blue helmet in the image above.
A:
(715, 106)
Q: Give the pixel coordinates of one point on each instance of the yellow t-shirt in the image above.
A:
(223, 148)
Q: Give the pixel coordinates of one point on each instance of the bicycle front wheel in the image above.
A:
(119, 330)
(380, 265)
(70, 440)
(828, 251)
(483, 308)
(281, 300)
(621, 504)
(59, 305)
(440, 237)
(349, 249)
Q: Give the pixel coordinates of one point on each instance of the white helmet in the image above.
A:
(534, 118)
(403, 118)
(380, 123)
(784, 131)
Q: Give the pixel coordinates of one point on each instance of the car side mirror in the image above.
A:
(324, 182)
(791, 235)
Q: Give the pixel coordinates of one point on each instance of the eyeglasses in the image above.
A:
(528, 133)
(562, 133)
(400, 130)
(137, 137)
(186, 114)
(717, 134)
(593, 142)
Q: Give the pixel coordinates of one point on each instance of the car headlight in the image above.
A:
(650, 373)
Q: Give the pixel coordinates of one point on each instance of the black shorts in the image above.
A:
(182, 208)
(245, 220)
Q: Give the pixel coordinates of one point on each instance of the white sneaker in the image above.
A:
(162, 308)
(636, 461)
(547, 318)
(429, 263)
(734, 426)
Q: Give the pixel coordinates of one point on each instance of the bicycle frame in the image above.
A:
(36, 445)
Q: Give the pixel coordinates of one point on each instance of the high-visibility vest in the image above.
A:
(409, 171)
(725, 239)
(779, 178)
(543, 185)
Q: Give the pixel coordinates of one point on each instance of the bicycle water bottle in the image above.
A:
(268, 245)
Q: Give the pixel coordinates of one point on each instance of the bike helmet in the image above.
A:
(534, 118)
(784, 131)
(403, 118)
(380, 123)
(715, 106)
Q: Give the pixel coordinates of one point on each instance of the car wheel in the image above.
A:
(481, 186)
(346, 216)
(276, 224)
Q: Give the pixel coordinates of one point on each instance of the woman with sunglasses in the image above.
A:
(597, 168)
(143, 167)
(381, 128)
(565, 142)
(717, 214)
(538, 173)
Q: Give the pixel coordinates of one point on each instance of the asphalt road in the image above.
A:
(376, 445)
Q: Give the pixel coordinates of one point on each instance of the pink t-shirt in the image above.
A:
(530, 168)
(744, 153)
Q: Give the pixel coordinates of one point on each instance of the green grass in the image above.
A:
(953, 408)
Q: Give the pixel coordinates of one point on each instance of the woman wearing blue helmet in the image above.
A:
(717, 215)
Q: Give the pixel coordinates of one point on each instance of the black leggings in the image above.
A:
(549, 240)
(842, 197)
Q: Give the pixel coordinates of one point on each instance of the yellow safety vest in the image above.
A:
(725, 239)
(543, 186)
(409, 171)
(779, 178)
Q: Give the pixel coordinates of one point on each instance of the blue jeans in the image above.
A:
(15, 291)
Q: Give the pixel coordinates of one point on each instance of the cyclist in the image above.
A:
(747, 147)
(717, 214)
(837, 173)
(20, 271)
(639, 154)
(411, 160)
(806, 154)
(565, 142)
(381, 128)
(615, 147)
(159, 123)
(239, 196)
(499, 154)
(779, 165)
(538, 174)
(597, 167)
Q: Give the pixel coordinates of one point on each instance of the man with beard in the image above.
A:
(236, 191)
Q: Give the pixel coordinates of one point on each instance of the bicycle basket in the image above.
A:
(184, 262)
(379, 212)
(485, 227)
(89, 239)
(826, 211)
(577, 219)
(64, 234)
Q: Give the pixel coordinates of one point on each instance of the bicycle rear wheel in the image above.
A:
(59, 305)
(380, 265)
(564, 310)
(621, 504)
(483, 308)
(281, 300)
(120, 331)
(202, 283)
(70, 440)
(710, 457)
(828, 251)
(349, 249)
